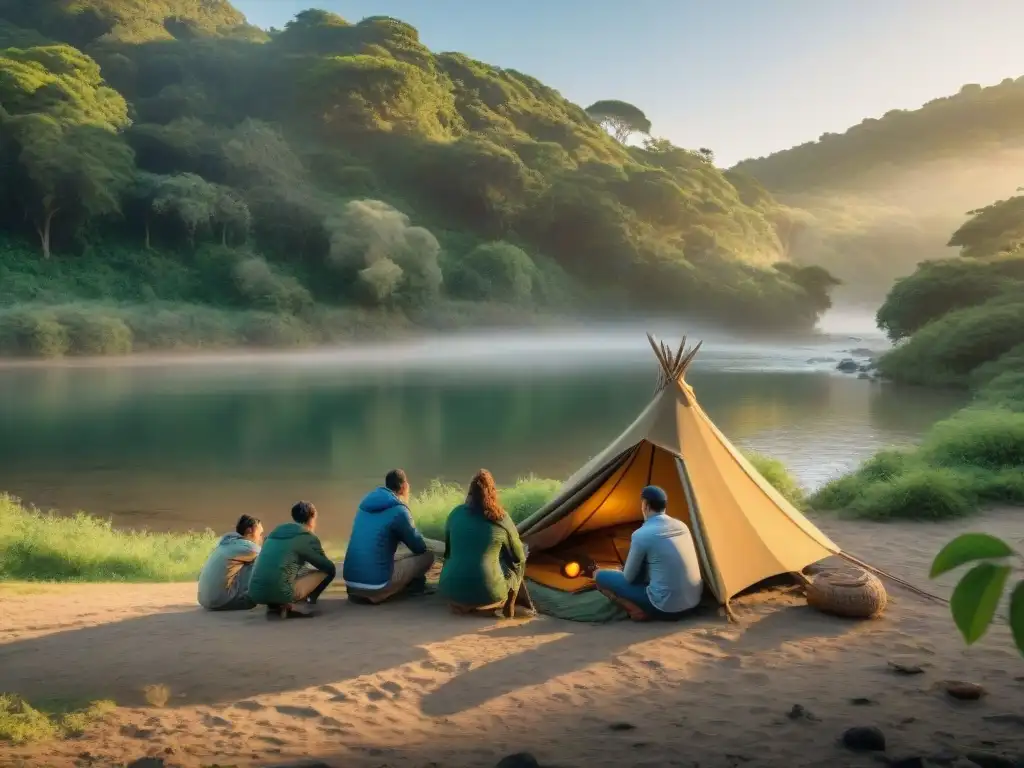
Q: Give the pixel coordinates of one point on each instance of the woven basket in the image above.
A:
(847, 592)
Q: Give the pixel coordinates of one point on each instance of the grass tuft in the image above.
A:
(21, 723)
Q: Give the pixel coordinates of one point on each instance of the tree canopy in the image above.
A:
(620, 118)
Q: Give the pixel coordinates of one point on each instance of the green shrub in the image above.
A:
(948, 350)
(180, 327)
(95, 332)
(1012, 361)
(21, 723)
(496, 271)
(32, 333)
(1004, 391)
(839, 493)
(780, 478)
(842, 492)
(920, 494)
(998, 486)
(262, 287)
(265, 330)
(986, 439)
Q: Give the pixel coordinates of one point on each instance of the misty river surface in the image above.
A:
(193, 443)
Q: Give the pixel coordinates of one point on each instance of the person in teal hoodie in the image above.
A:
(224, 579)
(372, 572)
(484, 558)
(279, 578)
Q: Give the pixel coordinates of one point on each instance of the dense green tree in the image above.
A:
(940, 287)
(496, 271)
(73, 171)
(189, 199)
(995, 229)
(59, 81)
(620, 118)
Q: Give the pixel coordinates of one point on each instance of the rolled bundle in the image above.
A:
(848, 592)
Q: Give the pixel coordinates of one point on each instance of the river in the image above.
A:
(193, 442)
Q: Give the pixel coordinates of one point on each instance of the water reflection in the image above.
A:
(184, 447)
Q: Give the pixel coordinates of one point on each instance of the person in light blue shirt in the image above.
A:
(661, 578)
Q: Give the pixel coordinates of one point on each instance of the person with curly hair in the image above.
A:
(484, 558)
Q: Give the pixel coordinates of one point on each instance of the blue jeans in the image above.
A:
(615, 582)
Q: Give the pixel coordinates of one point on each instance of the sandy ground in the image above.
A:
(410, 685)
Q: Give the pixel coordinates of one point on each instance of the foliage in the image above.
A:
(21, 723)
(266, 289)
(780, 478)
(993, 230)
(620, 118)
(131, 21)
(950, 349)
(291, 149)
(978, 593)
(497, 271)
(371, 231)
(940, 287)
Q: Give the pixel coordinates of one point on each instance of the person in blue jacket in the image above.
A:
(372, 572)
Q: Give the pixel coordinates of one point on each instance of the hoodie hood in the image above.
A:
(288, 531)
(235, 541)
(380, 500)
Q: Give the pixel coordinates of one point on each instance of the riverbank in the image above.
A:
(409, 684)
(43, 546)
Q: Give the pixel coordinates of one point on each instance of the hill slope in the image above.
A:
(346, 165)
(884, 195)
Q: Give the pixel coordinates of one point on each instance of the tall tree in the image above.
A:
(74, 171)
(189, 198)
(620, 118)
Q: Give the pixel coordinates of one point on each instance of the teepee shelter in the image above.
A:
(745, 532)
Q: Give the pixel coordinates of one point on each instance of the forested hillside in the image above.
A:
(960, 323)
(885, 194)
(166, 154)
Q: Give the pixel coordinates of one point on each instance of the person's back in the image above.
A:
(382, 522)
(673, 569)
(276, 581)
(224, 578)
(473, 572)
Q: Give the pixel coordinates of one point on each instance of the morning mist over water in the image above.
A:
(174, 444)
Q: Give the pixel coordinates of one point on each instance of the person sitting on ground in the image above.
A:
(224, 580)
(372, 571)
(292, 567)
(661, 578)
(484, 558)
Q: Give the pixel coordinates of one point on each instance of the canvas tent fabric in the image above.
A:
(744, 530)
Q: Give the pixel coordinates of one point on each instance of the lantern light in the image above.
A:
(572, 569)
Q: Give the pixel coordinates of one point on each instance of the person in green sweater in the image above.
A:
(279, 579)
(484, 558)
